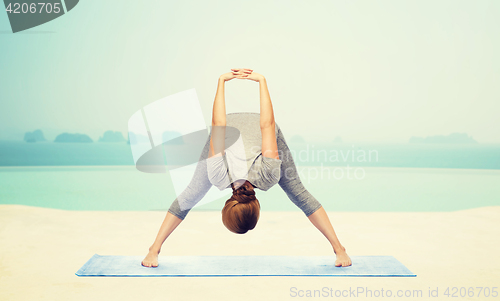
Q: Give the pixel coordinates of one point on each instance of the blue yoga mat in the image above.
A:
(212, 266)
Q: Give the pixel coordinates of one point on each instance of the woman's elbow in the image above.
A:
(267, 124)
(218, 122)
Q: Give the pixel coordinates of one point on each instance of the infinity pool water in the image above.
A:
(338, 189)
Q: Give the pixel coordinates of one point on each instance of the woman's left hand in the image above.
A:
(247, 74)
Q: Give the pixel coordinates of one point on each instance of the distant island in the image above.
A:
(67, 137)
(169, 137)
(134, 138)
(110, 136)
(458, 138)
(34, 136)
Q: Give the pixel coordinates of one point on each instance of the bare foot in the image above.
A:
(151, 260)
(342, 258)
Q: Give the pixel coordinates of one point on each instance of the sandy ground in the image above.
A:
(41, 249)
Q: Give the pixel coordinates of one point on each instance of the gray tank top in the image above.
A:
(243, 159)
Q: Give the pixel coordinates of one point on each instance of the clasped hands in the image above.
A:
(243, 73)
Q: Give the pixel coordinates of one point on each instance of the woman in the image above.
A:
(259, 159)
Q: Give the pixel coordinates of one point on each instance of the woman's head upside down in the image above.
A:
(242, 210)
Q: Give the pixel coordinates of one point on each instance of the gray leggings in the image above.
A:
(289, 182)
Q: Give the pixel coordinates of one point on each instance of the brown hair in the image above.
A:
(242, 210)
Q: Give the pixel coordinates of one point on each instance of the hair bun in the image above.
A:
(244, 193)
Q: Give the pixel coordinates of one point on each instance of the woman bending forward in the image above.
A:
(245, 151)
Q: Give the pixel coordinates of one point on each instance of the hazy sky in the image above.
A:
(364, 70)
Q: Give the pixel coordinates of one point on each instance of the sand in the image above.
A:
(42, 248)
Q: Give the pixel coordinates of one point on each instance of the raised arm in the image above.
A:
(266, 106)
(219, 109)
(267, 123)
(219, 113)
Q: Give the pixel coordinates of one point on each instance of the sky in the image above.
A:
(371, 71)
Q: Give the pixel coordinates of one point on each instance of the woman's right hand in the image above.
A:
(256, 77)
(240, 73)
